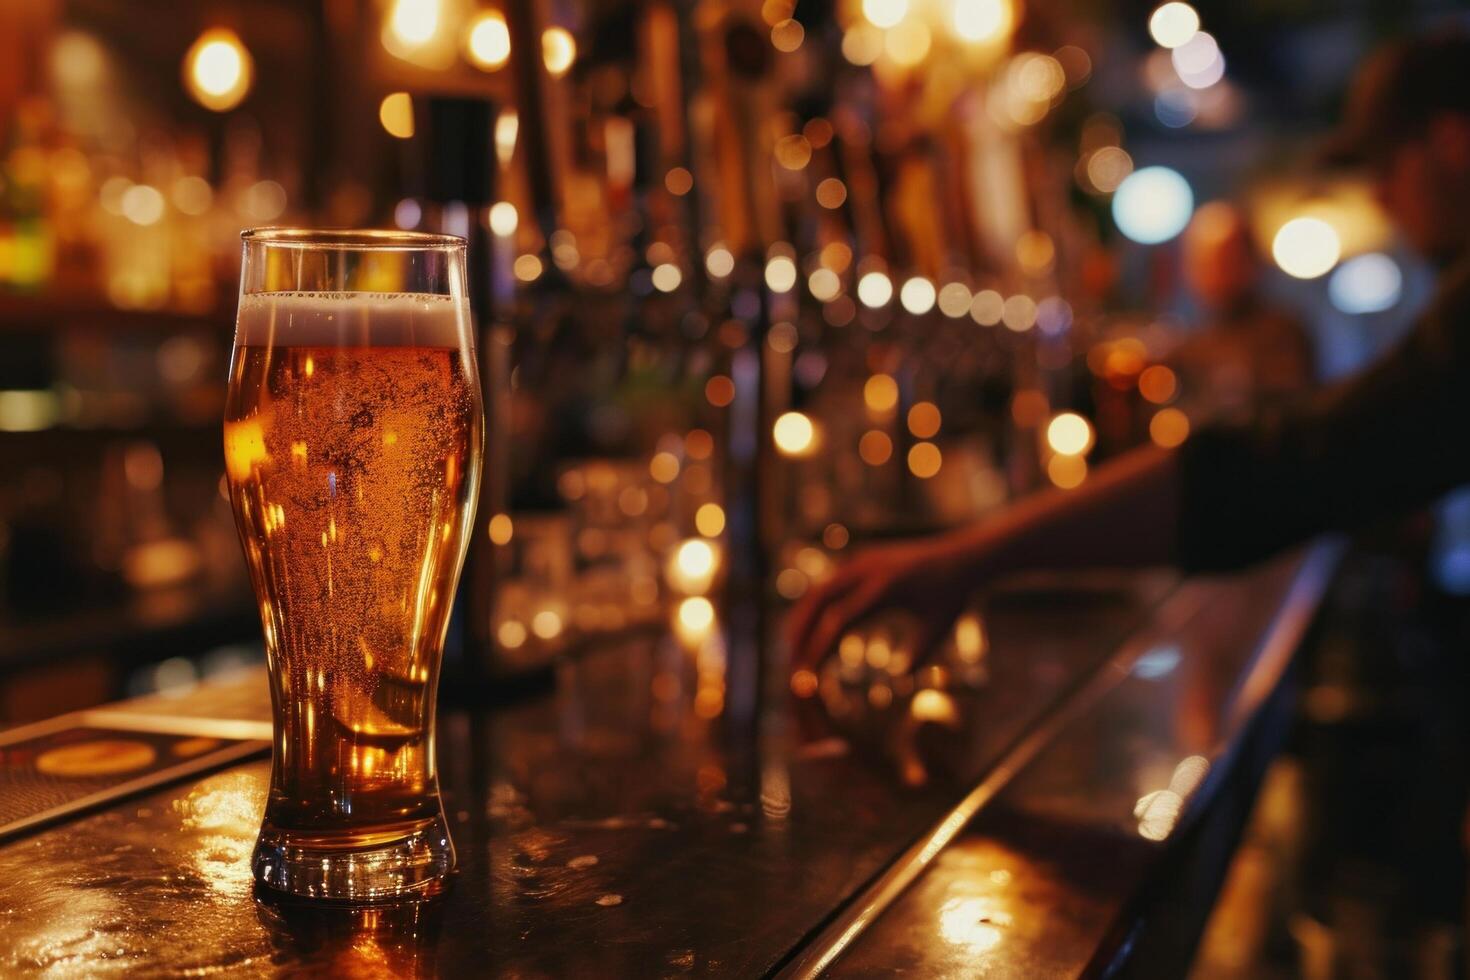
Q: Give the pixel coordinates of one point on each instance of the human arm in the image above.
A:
(1371, 447)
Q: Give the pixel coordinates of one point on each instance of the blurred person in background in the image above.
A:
(1248, 354)
(1365, 449)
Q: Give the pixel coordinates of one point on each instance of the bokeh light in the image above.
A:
(504, 219)
(875, 289)
(691, 568)
(1168, 428)
(917, 295)
(1069, 434)
(1153, 205)
(1368, 283)
(1173, 24)
(885, 13)
(709, 520)
(719, 262)
(924, 420)
(824, 284)
(487, 42)
(1158, 384)
(218, 70)
(925, 460)
(880, 393)
(794, 434)
(395, 112)
(1066, 472)
(719, 391)
(696, 615)
(983, 20)
(780, 274)
(1107, 167)
(831, 193)
(558, 50)
(875, 448)
(987, 308)
(954, 300)
(1306, 248)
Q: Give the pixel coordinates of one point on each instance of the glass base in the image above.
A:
(413, 866)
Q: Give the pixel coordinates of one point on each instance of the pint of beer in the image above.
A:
(352, 436)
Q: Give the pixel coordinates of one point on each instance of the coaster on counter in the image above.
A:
(59, 768)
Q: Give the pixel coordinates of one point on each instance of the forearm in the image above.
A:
(1125, 515)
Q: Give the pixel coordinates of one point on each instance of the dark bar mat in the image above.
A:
(61, 768)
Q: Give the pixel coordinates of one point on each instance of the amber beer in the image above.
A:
(352, 448)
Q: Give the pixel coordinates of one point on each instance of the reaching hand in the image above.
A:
(924, 578)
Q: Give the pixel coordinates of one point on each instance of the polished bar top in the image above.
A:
(616, 826)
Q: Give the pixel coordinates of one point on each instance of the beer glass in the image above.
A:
(353, 431)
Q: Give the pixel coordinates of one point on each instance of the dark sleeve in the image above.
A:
(1382, 443)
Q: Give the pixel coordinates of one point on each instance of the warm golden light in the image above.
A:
(954, 300)
(1069, 434)
(885, 13)
(696, 614)
(504, 219)
(1066, 472)
(793, 152)
(862, 44)
(692, 567)
(507, 128)
(511, 634)
(780, 274)
(917, 295)
(546, 624)
(924, 460)
(880, 392)
(831, 193)
(924, 420)
(804, 683)
(969, 638)
(501, 529)
(908, 43)
(709, 520)
(667, 277)
(824, 284)
(719, 390)
(787, 35)
(699, 444)
(875, 289)
(558, 50)
(218, 70)
(987, 307)
(413, 22)
(1306, 248)
(794, 434)
(1107, 167)
(1035, 252)
(488, 41)
(1173, 24)
(983, 20)
(678, 181)
(527, 267)
(664, 467)
(718, 262)
(1168, 428)
(1019, 313)
(1158, 384)
(142, 204)
(875, 448)
(395, 112)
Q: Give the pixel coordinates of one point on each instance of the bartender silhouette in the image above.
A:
(1376, 445)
